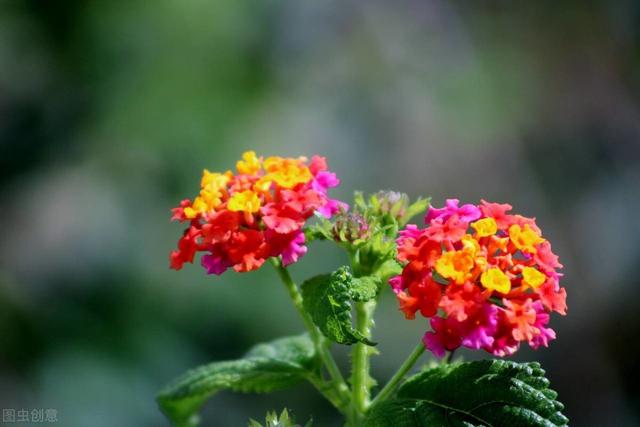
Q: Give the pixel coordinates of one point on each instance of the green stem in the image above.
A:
(339, 384)
(448, 357)
(328, 391)
(360, 379)
(395, 380)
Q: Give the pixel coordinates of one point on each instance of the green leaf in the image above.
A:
(359, 203)
(388, 269)
(490, 393)
(419, 206)
(266, 367)
(365, 288)
(321, 230)
(327, 299)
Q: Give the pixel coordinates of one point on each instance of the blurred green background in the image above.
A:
(110, 110)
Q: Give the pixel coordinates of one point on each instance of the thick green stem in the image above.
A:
(341, 390)
(360, 380)
(395, 380)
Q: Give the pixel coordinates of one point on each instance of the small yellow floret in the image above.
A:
(275, 163)
(287, 173)
(525, 238)
(470, 244)
(481, 263)
(250, 163)
(455, 265)
(485, 227)
(262, 185)
(213, 187)
(214, 181)
(198, 206)
(496, 280)
(244, 201)
(532, 277)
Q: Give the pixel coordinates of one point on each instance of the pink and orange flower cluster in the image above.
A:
(241, 219)
(487, 279)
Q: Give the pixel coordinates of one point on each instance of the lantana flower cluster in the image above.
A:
(485, 278)
(241, 219)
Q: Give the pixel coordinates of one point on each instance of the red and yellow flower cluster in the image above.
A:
(239, 220)
(487, 279)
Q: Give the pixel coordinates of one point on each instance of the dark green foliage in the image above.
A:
(265, 368)
(484, 393)
(365, 288)
(327, 298)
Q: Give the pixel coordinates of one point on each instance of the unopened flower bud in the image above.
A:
(392, 203)
(350, 227)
